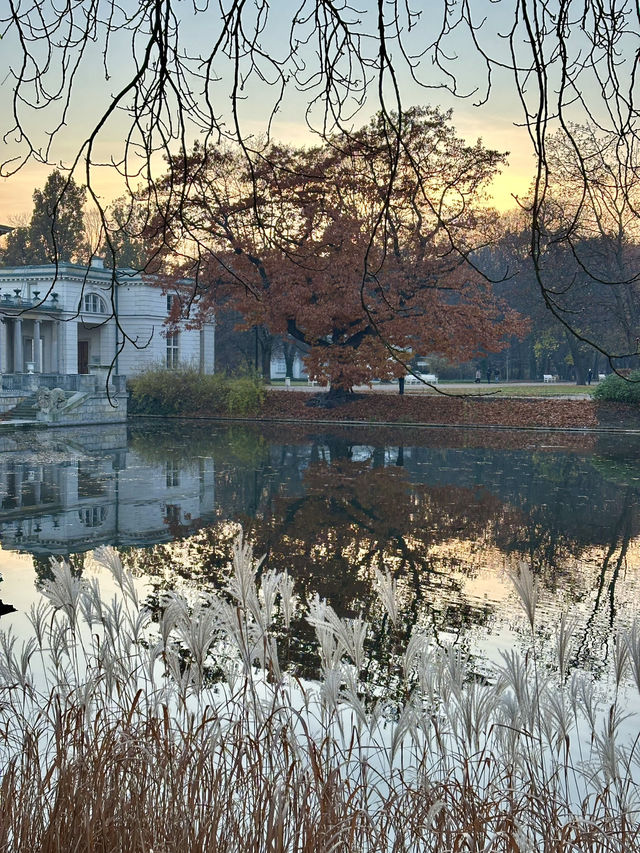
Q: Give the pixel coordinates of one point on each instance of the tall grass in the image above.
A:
(118, 732)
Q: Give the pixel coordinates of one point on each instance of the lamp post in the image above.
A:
(255, 329)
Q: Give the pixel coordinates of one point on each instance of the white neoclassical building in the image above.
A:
(61, 320)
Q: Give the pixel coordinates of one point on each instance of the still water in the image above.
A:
(448, 513)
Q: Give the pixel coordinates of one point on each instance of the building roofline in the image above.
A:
(67, 269)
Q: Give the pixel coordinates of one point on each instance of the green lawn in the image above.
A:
(537, 389)
(500, 389)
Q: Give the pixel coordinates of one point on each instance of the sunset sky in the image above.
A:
(495, 121)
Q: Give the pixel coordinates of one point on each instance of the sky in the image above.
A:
(496, 121)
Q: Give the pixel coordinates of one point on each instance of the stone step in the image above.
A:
(24, 411)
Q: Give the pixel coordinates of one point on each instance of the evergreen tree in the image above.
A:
(56, 229)
(126, 247)
(18, 250)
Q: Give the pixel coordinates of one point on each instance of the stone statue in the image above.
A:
(51, 400)
(44, 399)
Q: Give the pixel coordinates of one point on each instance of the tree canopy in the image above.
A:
(295, 241)
(56, 229)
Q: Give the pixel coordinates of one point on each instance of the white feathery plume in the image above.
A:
(108, 557)
(64, 590)
(287, 598)
(198, 631)
(349, 633)
(269, 588)
(564, 637)
(241, 583)
(527, 588)
(620, 657)
(633, 645)
(37, 616)
(387, 590)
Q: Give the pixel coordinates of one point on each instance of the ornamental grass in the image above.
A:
(127, 729)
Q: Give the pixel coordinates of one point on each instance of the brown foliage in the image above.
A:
(312, 244)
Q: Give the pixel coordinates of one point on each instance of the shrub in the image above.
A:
(159, 391)
(619, 389)
(246, 394)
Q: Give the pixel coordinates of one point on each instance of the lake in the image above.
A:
(448, 513)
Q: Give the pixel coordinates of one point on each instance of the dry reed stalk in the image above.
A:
(112, 736)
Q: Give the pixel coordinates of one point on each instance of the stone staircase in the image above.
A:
(24, 411)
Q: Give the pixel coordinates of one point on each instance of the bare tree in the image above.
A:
(199, 70)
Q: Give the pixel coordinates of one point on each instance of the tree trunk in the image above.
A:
(579, 359)
(266, 346)
(289, 351)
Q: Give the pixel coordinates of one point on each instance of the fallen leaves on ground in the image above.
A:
(409, 409)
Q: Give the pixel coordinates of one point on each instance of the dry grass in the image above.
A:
(115, 737)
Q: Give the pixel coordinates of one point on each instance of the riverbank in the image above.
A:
(437, 410)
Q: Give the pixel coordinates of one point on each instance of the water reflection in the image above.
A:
(443, 512)
(92, 488)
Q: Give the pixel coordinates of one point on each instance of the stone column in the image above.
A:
(67, 347)
(54, 367)
(70, 347)
(18, 361)
(37, 361)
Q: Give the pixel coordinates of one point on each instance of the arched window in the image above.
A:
(93, 304)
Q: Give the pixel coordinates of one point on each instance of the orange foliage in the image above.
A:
(358, 252)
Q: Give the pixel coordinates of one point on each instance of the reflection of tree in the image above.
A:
(331, 509)
(333, 527)
(562, 509)
(595, 637)
(43, 570)
(355, 517)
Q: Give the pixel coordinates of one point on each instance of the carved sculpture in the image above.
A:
(51, 400)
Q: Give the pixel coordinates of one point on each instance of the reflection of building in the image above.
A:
(60, 320)
(114, 497)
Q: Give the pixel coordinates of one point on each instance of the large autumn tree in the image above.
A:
(309, 243)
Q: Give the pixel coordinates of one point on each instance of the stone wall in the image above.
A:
(79, 409)
(71, 400)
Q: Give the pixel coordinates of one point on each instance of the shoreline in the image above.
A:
(371, 409)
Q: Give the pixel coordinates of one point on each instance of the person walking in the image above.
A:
(489, 375)
(478, 375)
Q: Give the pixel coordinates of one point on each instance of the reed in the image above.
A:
(118, 732)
